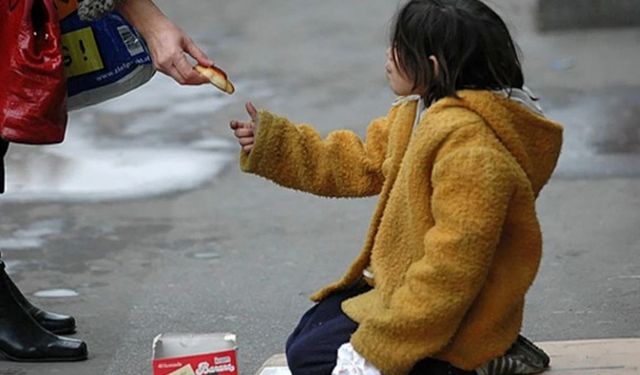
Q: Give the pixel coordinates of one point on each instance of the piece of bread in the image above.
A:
(217, 77)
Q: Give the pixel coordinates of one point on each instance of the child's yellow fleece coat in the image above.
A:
(454, 243)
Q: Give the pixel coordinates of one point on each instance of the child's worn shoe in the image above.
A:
(524, 357)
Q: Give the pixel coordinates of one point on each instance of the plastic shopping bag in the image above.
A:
(33, 95)
(103, 59)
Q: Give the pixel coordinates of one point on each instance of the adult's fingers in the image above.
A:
(189, 75)
(173, 72)
(194, 51)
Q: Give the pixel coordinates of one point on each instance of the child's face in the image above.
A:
(400, 84)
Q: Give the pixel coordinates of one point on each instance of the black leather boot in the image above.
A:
(56, 323)
(22, 339)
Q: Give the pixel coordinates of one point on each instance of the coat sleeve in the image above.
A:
(295, 156)
(471, 193)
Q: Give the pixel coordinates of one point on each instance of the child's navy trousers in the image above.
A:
(312, 348)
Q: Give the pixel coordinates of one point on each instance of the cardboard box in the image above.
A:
(195, 354)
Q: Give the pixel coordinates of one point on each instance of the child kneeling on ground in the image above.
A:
(454, 243)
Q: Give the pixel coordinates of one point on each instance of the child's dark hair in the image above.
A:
(470, 41)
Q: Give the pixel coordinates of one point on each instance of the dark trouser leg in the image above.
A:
(312, 348)
(23, 339)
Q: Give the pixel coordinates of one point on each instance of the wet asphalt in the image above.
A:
(237, 254)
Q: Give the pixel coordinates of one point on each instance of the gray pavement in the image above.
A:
(239, 254)
(584, 14)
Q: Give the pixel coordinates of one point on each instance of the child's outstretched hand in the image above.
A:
(245, 130)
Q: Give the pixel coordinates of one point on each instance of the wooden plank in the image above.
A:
(275, 365)
(593, 357)
(582, 357)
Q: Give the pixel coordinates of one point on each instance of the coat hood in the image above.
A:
(533, 140)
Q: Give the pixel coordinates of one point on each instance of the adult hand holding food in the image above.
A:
(169, 45)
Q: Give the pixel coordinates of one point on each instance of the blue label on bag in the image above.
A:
(101, 53)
